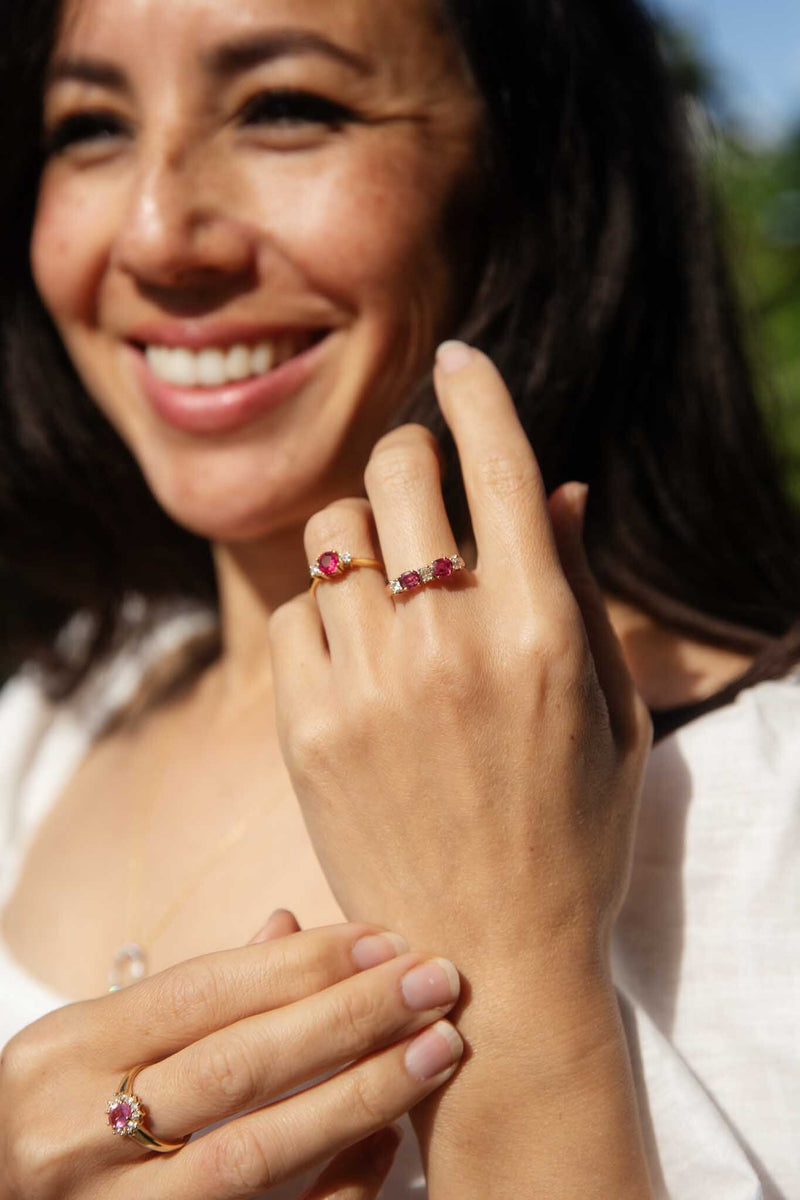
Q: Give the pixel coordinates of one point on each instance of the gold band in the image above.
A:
(333, 563)
(126, 1115)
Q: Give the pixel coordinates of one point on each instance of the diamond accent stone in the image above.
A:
(346, 559)
(396, 587)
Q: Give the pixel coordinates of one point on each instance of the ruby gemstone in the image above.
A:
(442, 568)
(411, 579)
(328, 563)
(119, 1115)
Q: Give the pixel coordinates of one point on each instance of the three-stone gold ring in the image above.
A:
(433, 572)
(338, 562)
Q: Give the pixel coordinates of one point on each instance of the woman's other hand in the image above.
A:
(228, 1035)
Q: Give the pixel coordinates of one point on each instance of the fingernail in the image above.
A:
(452, 356)
(378, 948)
(431, 985)
(434, 1052)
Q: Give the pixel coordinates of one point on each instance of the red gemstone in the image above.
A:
(442, 568)
(411, 579)
(119, 1115)
(328, 563)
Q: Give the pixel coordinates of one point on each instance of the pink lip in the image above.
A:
(196, 336)
(227, 408)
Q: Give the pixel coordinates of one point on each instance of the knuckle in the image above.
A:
(223, 1070)
(505, 476)
(310, 744)
(357, 1015)
(240, 1165)
(31, 1052)
(407, 463)
(328, 526)
(186, 994)
(367, 1104)
(410, 436)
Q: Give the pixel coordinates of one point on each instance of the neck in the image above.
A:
(254, 578)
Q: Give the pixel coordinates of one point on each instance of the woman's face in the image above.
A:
(245, 236)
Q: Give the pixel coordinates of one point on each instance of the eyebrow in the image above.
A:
(222, 62)
(232, 57)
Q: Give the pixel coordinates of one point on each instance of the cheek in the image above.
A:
(71, 230)
(364, 229)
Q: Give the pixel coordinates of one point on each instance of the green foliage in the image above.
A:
(760, 188)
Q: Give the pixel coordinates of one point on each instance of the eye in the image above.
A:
(83, 128)
(287, 109)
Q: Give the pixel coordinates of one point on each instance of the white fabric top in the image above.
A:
(707, 952)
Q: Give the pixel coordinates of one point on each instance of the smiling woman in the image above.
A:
(235, 237)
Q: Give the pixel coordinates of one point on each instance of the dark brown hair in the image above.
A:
(602, 296)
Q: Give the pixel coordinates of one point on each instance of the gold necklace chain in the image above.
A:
(130, 961)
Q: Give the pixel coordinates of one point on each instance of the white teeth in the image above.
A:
(214, 368)
(264, 356)
(181, 367)
(240, 362)
(211, 368)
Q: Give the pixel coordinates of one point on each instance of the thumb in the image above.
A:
(567, 511)
(281, 924)
(360, 1172)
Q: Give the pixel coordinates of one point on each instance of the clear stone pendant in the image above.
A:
(128, 966)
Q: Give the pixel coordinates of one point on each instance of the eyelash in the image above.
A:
(284, 109)
(288, 107)
(82, 127)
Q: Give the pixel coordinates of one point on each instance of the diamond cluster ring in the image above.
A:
(440, 568)
(126, 1114)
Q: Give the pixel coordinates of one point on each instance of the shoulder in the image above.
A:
(751, 742)
(707, 946)
(42, 739)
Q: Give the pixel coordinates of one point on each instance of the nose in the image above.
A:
(179, 229)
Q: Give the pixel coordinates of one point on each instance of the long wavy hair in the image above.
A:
(601, 294)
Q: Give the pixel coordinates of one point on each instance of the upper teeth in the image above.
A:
(212, 367)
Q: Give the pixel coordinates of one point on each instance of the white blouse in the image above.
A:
(707, 949)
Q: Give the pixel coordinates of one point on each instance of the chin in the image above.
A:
(234, 501)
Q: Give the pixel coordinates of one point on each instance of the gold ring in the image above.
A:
(440, 568)
(337, 562)
(126, 1115)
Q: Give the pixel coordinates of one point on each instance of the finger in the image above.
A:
(159, 1016)
(258, 1059)
(567, 508)
(267, 1147)
(360, 1172)
(503, 484)
(282, 923)
(403, 482)
(354, 600)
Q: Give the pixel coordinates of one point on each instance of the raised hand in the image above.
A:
(228, 1035)
(469, 753)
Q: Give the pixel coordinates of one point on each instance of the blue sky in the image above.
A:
(756, 43)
